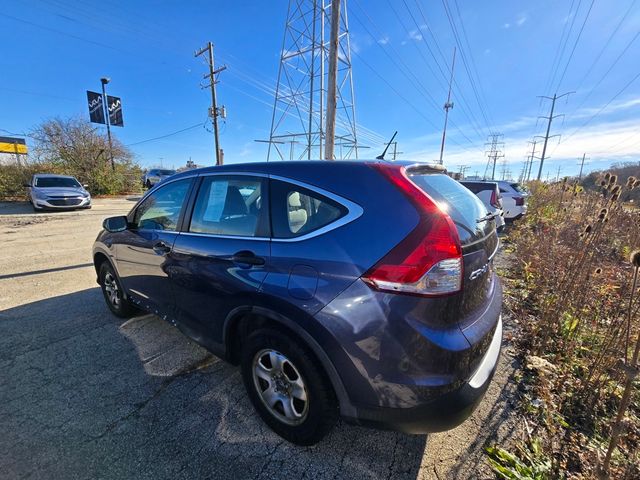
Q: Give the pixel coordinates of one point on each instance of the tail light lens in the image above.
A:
(495, 200)
(519, 201)
(427, 262)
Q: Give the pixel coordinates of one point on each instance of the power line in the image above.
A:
(606, 45)
(419, 86)
(562, 45)
(166, 135)
(575, 45)
(464, 62)
(620, 92)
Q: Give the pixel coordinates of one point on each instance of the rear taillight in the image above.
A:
(519, 201)
(494, 199)
(428, 261)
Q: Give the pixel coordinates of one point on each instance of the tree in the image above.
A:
(75, 147)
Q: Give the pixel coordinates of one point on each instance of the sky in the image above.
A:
(509, 52)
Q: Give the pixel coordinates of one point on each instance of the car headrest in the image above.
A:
(234, 203)
(294, 200)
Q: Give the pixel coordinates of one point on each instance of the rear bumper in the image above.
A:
(443, 412)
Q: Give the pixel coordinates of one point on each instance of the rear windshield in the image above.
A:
(49, 182)
(518, 188)
(477, 187)
(458, 202)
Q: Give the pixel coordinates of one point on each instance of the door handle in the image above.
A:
(161, 248)
(247, 258)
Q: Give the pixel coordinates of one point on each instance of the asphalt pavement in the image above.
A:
(86, 395)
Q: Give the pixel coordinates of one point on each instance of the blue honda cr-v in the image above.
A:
(360, 289)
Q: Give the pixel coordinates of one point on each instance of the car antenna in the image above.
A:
(381, 157)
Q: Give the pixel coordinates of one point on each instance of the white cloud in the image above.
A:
(384, 40)
(521, 19)
(415, 35)
(506, 25)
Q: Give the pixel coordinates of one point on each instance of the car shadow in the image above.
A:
(84, 394)
(15, 208)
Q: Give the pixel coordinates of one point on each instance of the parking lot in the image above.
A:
(84, 394)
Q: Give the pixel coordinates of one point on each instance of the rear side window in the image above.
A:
(229, 205)
(456, 200)
(297, 211)
(161, 209)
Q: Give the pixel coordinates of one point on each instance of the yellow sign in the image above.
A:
(13, 145)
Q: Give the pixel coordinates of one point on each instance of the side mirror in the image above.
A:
(115, 224)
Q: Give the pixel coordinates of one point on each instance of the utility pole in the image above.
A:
(558, 175)
(581, 167)
(214, 112)
(330, 128)
(549, 120)
(494, 153)
(447, 106)
(104, 81)
(531, 157)
(395, 150)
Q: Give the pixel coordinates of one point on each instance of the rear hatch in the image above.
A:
(478, 239)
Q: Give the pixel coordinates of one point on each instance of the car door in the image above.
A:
(144, 253)
(221, 256)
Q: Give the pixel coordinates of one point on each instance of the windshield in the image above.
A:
(49, 182)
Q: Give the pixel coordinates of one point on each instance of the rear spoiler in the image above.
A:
(426, 168)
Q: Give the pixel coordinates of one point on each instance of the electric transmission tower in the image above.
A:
(495, 152)
(302, 92)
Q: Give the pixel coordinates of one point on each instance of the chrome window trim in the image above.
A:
(354, 211)
(220, 235)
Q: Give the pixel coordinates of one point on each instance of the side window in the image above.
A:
(502, 190)
(229, 205)
(161, 209)
(297, 211)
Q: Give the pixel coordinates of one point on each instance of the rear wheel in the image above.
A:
(113, 293)
(286, 387)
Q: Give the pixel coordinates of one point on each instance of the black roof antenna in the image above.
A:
(381, 157)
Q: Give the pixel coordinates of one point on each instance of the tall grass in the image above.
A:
(577, 298)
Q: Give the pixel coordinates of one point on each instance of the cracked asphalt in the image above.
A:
(86, 395)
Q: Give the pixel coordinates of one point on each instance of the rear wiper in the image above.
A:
(487, 217)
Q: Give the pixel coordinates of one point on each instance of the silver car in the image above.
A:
(57, 192)
(156, 175)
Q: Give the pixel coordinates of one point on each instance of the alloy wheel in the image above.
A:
(280, 387)
(112, 290)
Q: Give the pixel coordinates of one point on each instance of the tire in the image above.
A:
(113, 293)
(278, 374)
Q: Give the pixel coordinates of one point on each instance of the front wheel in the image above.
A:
(113, 293)
(287, 388)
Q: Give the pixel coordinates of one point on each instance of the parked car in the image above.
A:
(514, 199)
(489, 193)
(375, 300)
(156, 175)
(57, 192)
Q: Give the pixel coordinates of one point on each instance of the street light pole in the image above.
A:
(104, 81)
